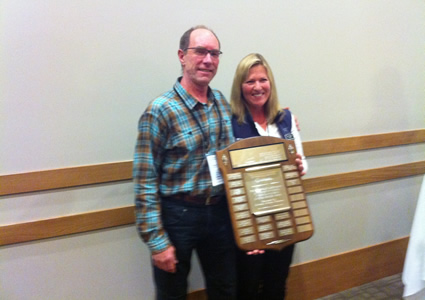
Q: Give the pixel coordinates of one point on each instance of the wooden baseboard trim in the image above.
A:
(343, 271)
(326, 276)
(197, 295)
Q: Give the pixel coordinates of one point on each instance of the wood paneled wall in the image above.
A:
(303, 277)
(121, 171)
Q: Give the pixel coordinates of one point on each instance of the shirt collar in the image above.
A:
(188, 98)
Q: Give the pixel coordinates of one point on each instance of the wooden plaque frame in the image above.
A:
(265, 193)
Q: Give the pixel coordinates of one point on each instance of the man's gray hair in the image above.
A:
(185, 39)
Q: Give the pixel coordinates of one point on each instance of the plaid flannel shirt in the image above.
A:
(170, 154)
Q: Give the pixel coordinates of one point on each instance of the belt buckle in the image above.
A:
(208, 201)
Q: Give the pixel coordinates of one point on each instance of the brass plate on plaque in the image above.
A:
(265, 194)
(257, 155)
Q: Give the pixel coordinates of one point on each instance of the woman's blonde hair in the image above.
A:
(237, 100)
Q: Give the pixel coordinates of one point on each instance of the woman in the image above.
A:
(256, 112)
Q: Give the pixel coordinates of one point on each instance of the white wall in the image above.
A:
(76, 75)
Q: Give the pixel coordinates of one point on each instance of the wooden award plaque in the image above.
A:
(265, 193)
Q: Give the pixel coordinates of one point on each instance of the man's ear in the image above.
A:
(181, 54)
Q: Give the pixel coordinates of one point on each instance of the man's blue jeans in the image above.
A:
(207, 229)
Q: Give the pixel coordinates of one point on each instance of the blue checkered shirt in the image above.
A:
(170, 154)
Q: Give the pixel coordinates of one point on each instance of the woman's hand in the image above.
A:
(255, 252)
(297, 123)
(299, 163)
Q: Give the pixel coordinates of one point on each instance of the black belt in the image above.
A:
(199, 200)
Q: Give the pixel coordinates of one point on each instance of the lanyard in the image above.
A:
(204, 136)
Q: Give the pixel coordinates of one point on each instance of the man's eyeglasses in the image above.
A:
(201, 51)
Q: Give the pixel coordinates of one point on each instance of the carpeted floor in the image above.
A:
(388, 288)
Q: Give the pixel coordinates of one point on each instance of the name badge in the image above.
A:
(216, 178)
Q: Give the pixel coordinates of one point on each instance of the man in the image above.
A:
(179, 205)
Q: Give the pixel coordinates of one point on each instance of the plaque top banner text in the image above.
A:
(257, 155)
